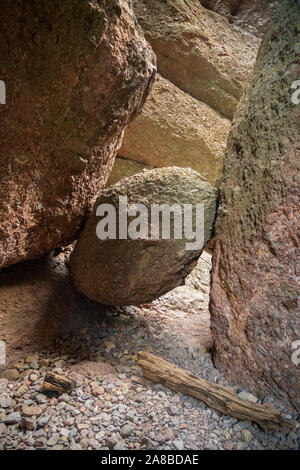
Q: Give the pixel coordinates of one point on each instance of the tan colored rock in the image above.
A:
(255, 278)
(75, 74)
(176, 129)
(9, 374)
(123, 168)
(31, 410)
(199, 51)
(132, 270)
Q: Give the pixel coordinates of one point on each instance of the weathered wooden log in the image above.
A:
(216, 396)
(57, 383)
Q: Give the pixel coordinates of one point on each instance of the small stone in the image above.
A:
(228, 445)
(246, 435)
(31, 358)
(21, 391)
(5, 400)
(28, 423)
(247, 396)
(120, 446)
(34, 365)
(33, 377)
(114, 440)
(3, 384)
(43, 421)
(241, 446)
(53, 440)
(168, 435)
(3, 429)
(241, 425)
(94, 444)
(160, 438)
(97, 391)
(81, 426)
(10, 374)
(29, 411)
(211, 446)
(179, 444)
(126, 430)
(65, 432)
(41, 442)
(12, 418)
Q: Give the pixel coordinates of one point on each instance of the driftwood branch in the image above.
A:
(57, 383)
(216, 396)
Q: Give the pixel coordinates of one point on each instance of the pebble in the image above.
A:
(30, 411)
(28, 423)
(228, 445)
(179, 445)
(10, 374)
(246, 435)
(12, 418)
(126, 430)
(5, 400)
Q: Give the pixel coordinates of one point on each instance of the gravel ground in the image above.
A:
(113, 406)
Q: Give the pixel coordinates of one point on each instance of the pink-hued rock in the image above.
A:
(255, 303)
(76, 72)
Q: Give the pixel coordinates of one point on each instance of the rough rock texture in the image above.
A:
(131, 272)
(123, 168)
(75, 72)
(199, 51)
(255, 279)
(176, 129)
(251, 15)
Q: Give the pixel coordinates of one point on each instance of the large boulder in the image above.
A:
(133, 271)
(75, 72)
(199, 51)
(175, 129)
(255, 280)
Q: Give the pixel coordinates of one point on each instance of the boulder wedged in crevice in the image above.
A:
(124, 258)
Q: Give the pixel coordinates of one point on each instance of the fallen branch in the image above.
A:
(218, 397)
(57, 383)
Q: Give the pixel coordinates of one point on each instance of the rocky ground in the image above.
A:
(113, 406)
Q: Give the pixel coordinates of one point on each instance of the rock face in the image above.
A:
(199, 51)
(251, 15)
(123, 168)
(134, 271)
(255, 280)
(75, 74)
(176, 129)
